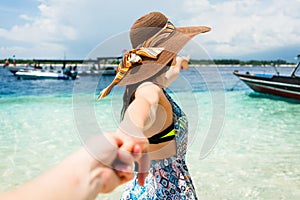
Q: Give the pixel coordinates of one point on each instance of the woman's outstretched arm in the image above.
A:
(140, 115)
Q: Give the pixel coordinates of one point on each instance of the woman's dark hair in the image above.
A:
(128, 96)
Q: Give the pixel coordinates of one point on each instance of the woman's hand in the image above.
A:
(179, 64)
(183, 62)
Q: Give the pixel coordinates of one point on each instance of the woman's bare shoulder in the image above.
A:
(148, 90)
(148, 85)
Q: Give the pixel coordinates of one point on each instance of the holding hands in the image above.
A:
(99, 167)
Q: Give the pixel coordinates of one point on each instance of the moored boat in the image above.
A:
(109, 70)
(37, 74)
(15, 69)
(279, 85)
(103, 71)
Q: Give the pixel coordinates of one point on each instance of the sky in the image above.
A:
(241, 29)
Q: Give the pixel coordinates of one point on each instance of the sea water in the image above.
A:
(243, 145)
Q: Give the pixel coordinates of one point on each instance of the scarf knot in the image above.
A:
(131, 58)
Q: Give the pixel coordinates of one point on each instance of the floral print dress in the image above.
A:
(168, 178)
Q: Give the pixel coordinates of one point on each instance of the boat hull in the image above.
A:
(283, 86)
(40, 75)
(104, 71)
(15, 69)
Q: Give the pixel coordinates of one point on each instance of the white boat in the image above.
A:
(15, 69)
(108, 70)
(36, 74)
(104, 71)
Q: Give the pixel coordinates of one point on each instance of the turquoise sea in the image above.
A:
(243, 145)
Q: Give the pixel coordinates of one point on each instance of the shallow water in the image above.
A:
(255, 156)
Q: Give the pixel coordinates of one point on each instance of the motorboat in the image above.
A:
(38, 74)
(15, 69)
(109, 70)
(103, 71)
(274, 84)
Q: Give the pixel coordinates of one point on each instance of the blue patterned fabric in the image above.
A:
(168, 178)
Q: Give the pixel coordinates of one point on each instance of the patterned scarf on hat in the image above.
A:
(133, 56)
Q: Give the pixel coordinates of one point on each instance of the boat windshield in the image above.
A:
(296, 71)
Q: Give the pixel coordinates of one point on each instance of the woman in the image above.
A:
(149, 114)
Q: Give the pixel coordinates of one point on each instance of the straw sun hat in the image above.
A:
(156, 41)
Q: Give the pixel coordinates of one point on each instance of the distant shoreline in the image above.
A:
(113, 61)
(45, 66)
(232, 65)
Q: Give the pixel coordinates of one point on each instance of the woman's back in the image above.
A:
(162, 119)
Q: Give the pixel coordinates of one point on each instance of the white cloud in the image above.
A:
(243, 27)
(66, 24)
(26, 17)
(76, 26)
(45, 32)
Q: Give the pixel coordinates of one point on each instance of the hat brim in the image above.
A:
(174, 43)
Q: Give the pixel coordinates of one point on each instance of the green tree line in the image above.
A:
(239, 62)
(192, 61)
